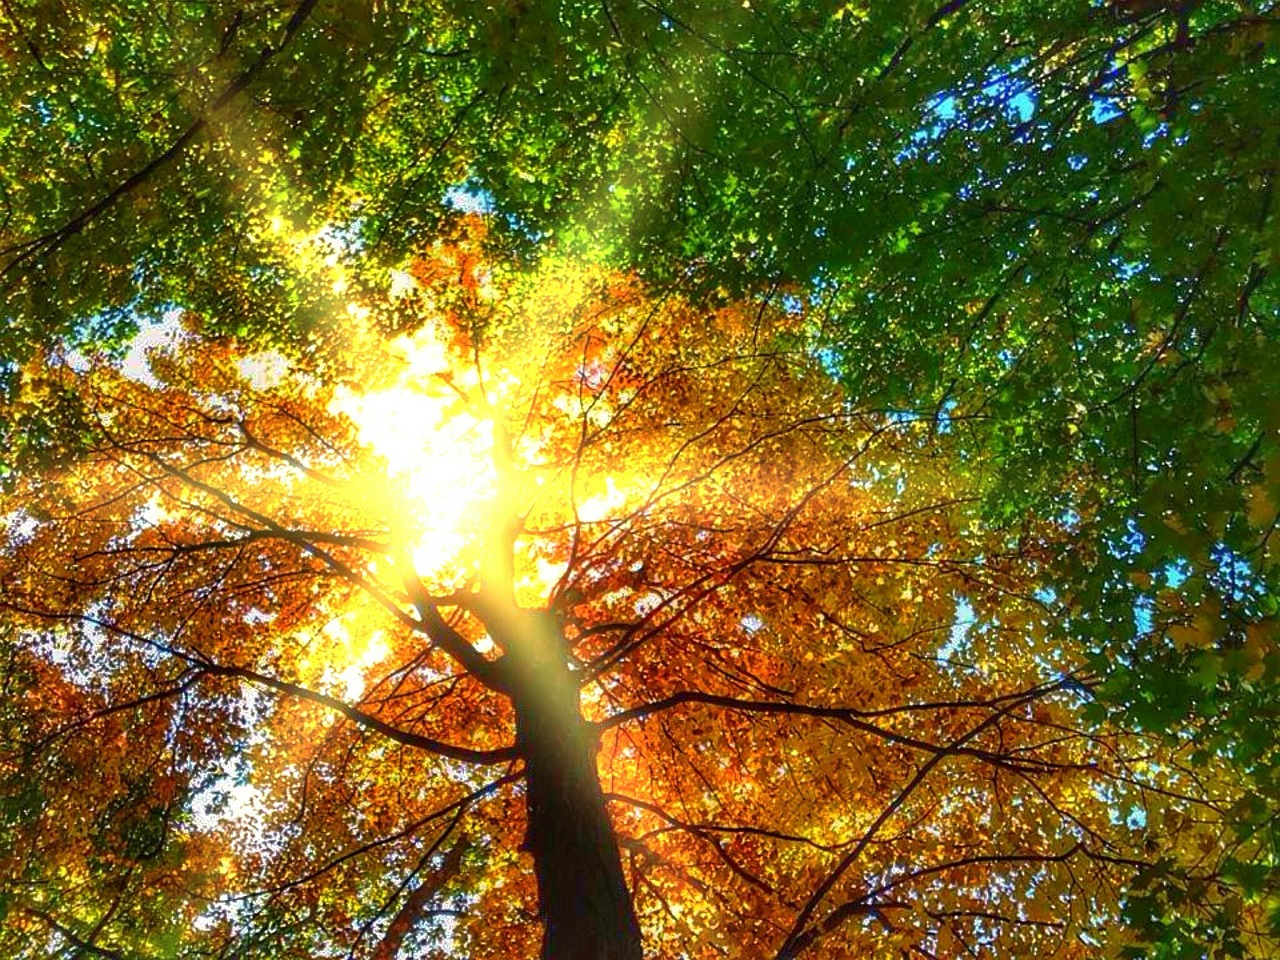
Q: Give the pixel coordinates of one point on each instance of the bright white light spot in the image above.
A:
(263, 370)
(402, 284)
(160, 336)
(153, 513)
(604, 504)
(351, 656)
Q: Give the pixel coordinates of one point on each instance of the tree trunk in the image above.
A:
(582, 894)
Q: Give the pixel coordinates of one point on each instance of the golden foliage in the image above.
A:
(831, 720)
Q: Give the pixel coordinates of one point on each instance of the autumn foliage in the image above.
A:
(305, 660)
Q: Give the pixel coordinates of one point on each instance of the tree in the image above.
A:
(638, 627)
(1047, 227)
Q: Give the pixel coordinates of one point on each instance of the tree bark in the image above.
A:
(583, 899)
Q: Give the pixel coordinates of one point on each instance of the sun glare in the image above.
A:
(437, 478)
(427, 418)
(339, 655)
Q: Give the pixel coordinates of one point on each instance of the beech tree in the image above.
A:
(538, 616)
(1046, 227)
(1054, 217)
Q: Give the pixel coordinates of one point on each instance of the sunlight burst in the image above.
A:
(439, 477)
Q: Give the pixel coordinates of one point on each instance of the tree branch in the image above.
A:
(355, 715)
(492, 673)
(813, 710)
(856, 719)
(868, 902)
(51, 241)
(62, 930)
(359, 717)
(801, 933)
(412, 909)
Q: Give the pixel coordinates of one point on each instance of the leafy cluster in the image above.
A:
(815, 363)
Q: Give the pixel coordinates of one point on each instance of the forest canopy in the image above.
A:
(678, 552)
(762, 479)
